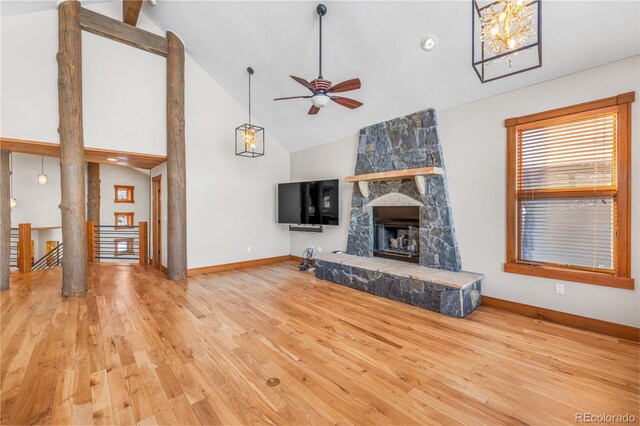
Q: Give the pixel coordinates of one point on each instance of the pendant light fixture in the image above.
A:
(507, 37)
(249, 138)
(42, 178)
(14, 202)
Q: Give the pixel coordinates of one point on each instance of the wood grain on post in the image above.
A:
(72, 205)
(5, 220)
(176, 173)
(24, 247)
(91, 245)
(93, 203)
(143, 241)
(131, 11)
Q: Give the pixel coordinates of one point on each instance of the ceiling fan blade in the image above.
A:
(314, 110)
(304, 82)
(292, 97)
(345, 86)
(346, 102)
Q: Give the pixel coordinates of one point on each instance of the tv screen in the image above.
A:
(308, 203)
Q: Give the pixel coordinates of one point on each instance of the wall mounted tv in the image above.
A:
(308, 203)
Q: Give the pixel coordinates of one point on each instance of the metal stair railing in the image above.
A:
(49, 260)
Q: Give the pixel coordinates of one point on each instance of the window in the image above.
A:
(123, 246)
(123, 219)
(124, 194)
(568, 195)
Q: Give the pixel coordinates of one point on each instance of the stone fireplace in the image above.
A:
(402, 242)
(409, 142)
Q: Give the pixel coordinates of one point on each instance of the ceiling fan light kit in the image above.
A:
(506, 37)
(322, 91)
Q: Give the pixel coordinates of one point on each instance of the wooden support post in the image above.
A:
(143, 242)
(5, 220)
(93, 203)
(91, 245)
(131, 11)
(72, 205)
(176, 177)
(24, 247)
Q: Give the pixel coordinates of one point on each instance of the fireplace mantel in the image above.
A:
(418, 174)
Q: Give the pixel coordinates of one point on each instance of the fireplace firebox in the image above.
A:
(396, 233)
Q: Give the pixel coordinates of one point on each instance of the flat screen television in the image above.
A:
(308, 203)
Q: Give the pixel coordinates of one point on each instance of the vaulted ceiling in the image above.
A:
(379, 42)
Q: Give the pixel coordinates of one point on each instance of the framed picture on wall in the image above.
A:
(123, 246)
(123, 194)
(124, 219)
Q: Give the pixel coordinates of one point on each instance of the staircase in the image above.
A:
(49, 260)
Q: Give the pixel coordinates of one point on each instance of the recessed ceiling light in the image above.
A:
(112, 159)
(429, 43)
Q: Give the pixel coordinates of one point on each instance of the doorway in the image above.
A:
(156, 217)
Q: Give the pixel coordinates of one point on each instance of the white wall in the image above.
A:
(124, 89)
(37, 204)
(118, 175)
(230, 200)
(474, 144)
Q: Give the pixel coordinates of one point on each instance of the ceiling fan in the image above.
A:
(323, 91)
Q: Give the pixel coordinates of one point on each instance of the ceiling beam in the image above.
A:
(91, 155)
(131, 11)
(124, 33)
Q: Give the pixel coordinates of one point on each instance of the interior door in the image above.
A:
(156, 219)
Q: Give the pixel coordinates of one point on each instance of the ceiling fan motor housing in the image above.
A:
(321, 85)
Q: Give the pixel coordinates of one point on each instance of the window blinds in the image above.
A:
(566, 189)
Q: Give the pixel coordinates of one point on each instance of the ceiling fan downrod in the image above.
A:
(322, 10)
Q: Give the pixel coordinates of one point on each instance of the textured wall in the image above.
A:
(406, 143)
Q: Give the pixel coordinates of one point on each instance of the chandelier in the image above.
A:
(506, 37)
(249, 138)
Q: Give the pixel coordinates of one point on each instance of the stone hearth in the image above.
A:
(451, 293)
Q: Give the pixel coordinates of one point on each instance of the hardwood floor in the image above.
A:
(140, 349)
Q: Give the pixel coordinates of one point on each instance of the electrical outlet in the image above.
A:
(249, 249)
(559, 288)
(319, 249)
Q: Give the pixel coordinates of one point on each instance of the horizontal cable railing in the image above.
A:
(120, 243)
(13, 254)
(50, 260)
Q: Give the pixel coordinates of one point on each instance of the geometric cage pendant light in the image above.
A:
(249, 138)
(506, 37)
(42, 178)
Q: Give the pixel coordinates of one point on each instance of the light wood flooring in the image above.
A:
(140, 349)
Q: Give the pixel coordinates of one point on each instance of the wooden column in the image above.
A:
(72, 205)
(143, 241)
(176, 177)
(93, 202)
(24, 247)
(5, 220)
(91, 245)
